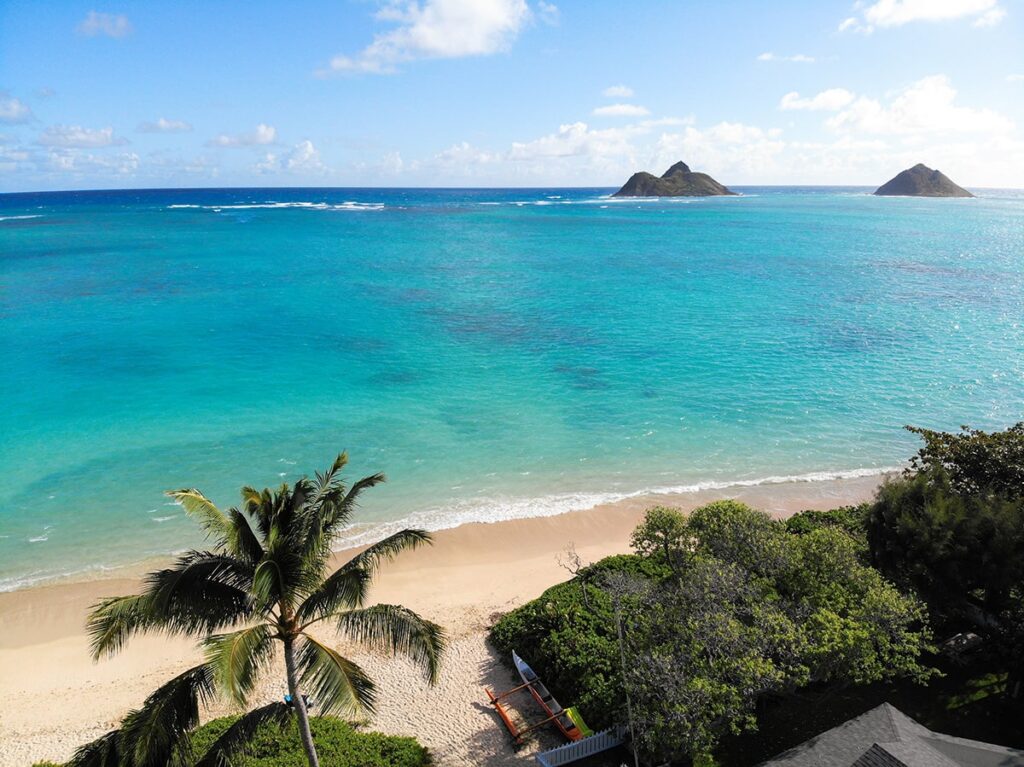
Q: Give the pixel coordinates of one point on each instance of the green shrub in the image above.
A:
(573, 642)
(337, 742)
(849, 519)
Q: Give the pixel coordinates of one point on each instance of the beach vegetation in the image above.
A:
(951, 528)
(719, 610)
(263, 585)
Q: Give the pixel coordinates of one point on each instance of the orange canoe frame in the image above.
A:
(518, 732)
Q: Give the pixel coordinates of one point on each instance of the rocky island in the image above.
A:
(677, 181)
(921, 181)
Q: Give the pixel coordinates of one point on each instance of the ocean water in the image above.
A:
(497, 353)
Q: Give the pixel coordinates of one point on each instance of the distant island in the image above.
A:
(921, 181)
(677, 181)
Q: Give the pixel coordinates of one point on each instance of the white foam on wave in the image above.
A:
(486, 510)
(20, 218)
(489, 510)
(304, 205)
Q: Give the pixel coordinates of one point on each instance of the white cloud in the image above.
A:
(797, 58)
(109, 24)
(896, 13)
(437, 29)
(828, 100)
(69, 136)
(621, 110)
(924, 107)
(65, 160)
(618, 92)
(263, 135)
(163, 125)
(548, 13)
(13, 110)
(1015, 78)
(304, 157)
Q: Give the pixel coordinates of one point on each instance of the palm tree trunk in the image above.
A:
(300, 704)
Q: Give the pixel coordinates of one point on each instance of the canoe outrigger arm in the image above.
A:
(568, 721)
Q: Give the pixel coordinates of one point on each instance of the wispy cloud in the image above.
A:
(263, 135)
(618, 92)
(829, 100)
(75, 136)
(108, 24)
(621, 110)
(14, 110)
(1015, 78)
(548, 13)
(163, 125)
(439, 29)
(796, 58)
(896, 13)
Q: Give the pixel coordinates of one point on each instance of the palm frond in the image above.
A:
(343, 590)
(242, 541)
(388, 548)
(237, 737)
(113, 621)
(238, 658)
(158, 732)
(342, 511)
(213, 521)
(201, 592)
(336, 684)
(396, 629)
(105, 751)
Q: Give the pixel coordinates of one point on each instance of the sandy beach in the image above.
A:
(55, 698)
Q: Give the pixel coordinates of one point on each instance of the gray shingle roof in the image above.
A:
(886, 737)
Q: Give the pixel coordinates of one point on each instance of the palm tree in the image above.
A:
(264, 582)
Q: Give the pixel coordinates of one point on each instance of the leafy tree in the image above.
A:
(964, 553)
(664, 534)
(852, 520)
(975, 461)
(749, 610)
(699, 653)
(263, 584)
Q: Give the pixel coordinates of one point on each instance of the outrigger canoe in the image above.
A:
(567, 720)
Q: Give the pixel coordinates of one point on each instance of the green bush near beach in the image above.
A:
(338, 743)
(719, 609)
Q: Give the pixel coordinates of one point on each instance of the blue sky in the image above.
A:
(507, 92)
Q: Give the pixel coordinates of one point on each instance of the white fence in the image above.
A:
(570, 752)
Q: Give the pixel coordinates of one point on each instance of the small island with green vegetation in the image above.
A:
(921, 181)
(677, 181)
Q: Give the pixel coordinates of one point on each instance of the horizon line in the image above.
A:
(430, 188)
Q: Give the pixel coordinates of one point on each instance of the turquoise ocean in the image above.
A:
(498, 353)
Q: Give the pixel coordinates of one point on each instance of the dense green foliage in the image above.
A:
(852, 520)
(974, 461)
(264, 585)
(574, 640)
(962, 552)
(719, 609)
(338, 744)
(952, 528)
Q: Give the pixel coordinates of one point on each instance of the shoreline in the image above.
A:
(436, 520)
(471, 574)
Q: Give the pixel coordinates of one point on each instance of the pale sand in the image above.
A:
(53, 698)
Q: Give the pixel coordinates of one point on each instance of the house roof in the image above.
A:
(886, 737)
